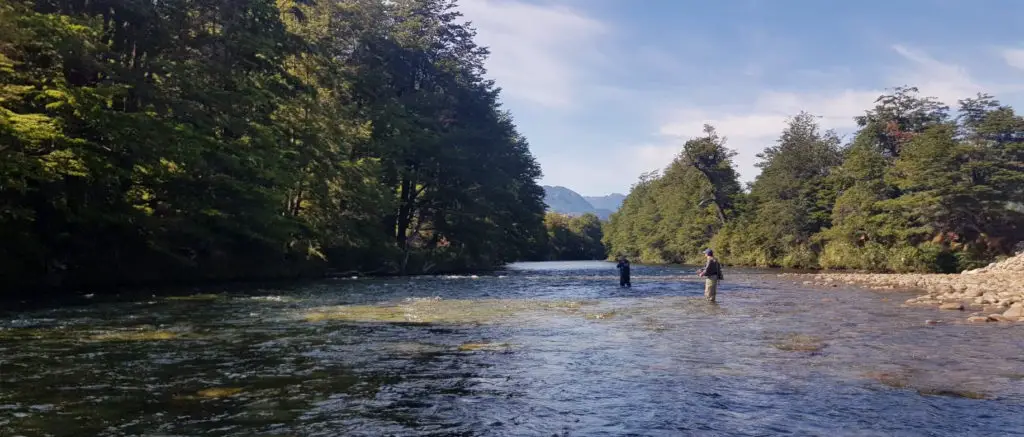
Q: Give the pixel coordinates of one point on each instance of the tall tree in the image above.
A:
(192, 140)
(711, 158)
(915, 190)
(790, 200)
(573, 238)
(670, 217)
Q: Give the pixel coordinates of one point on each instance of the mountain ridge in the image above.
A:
(566, 201)
(611, 202)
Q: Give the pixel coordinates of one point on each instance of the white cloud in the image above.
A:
(1014, 58)
(539, 53)
(947, 82)
(549, 57)
(752, 127)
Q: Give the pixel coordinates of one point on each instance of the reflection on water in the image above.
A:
(542, 349)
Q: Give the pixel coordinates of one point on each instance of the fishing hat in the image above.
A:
(708, 252)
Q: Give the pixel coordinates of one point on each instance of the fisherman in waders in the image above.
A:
(712, 273)
(623, 267)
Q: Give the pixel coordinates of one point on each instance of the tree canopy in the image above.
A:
(193, 140)
(572, 238)
(916, 189)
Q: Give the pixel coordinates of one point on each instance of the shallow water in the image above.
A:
(542, 349)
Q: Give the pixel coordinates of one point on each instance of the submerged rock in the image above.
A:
(492, 347)
(951, 392)
(925, 383)
(891, 379)
(194, 297)
(142, 335)
(599, 316)
(800, 343)
(219, 392)
(442, 311)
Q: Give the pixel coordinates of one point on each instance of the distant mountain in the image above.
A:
(611, 202)
(566, 201)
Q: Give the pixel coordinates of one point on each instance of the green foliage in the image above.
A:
(789, 201)
(572, 238)
(670, 218)
(915, 191)
(192, 140)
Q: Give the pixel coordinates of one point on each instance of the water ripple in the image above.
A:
(541, 349)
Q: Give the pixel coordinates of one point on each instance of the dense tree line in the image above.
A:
(916, 189)
(150, 141)
(571, 238)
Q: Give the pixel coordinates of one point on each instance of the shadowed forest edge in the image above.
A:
(188, 141)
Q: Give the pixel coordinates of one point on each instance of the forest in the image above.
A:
(571, 238)
(192, 141)
(185, 141)
(918, 188)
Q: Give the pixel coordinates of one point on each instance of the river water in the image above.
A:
(546, 349)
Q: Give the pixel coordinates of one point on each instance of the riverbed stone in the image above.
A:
(954, 306)
(978, 319)
(999, 288)
(1015, 312)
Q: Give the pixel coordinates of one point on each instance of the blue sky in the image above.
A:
(607, 89)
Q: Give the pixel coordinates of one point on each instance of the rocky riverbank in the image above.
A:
(991, 294)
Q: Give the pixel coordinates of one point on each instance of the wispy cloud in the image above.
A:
(603, 100)
(757, 124)
(539, 53)
(945, 81)
(1014, 58)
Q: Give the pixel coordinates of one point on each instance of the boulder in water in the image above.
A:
(1016, 311)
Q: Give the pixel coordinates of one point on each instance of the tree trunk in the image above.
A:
(404, 213)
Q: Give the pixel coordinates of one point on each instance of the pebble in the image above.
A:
(999, 287)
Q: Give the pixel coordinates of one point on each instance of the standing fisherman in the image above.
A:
(712, 273)
(623, 267)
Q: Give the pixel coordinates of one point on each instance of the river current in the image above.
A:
(545, 349)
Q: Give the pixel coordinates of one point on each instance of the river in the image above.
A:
(546, 349)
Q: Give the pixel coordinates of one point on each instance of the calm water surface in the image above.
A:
(547, 349)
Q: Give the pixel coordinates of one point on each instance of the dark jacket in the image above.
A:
(623, 267)
(713, 269)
